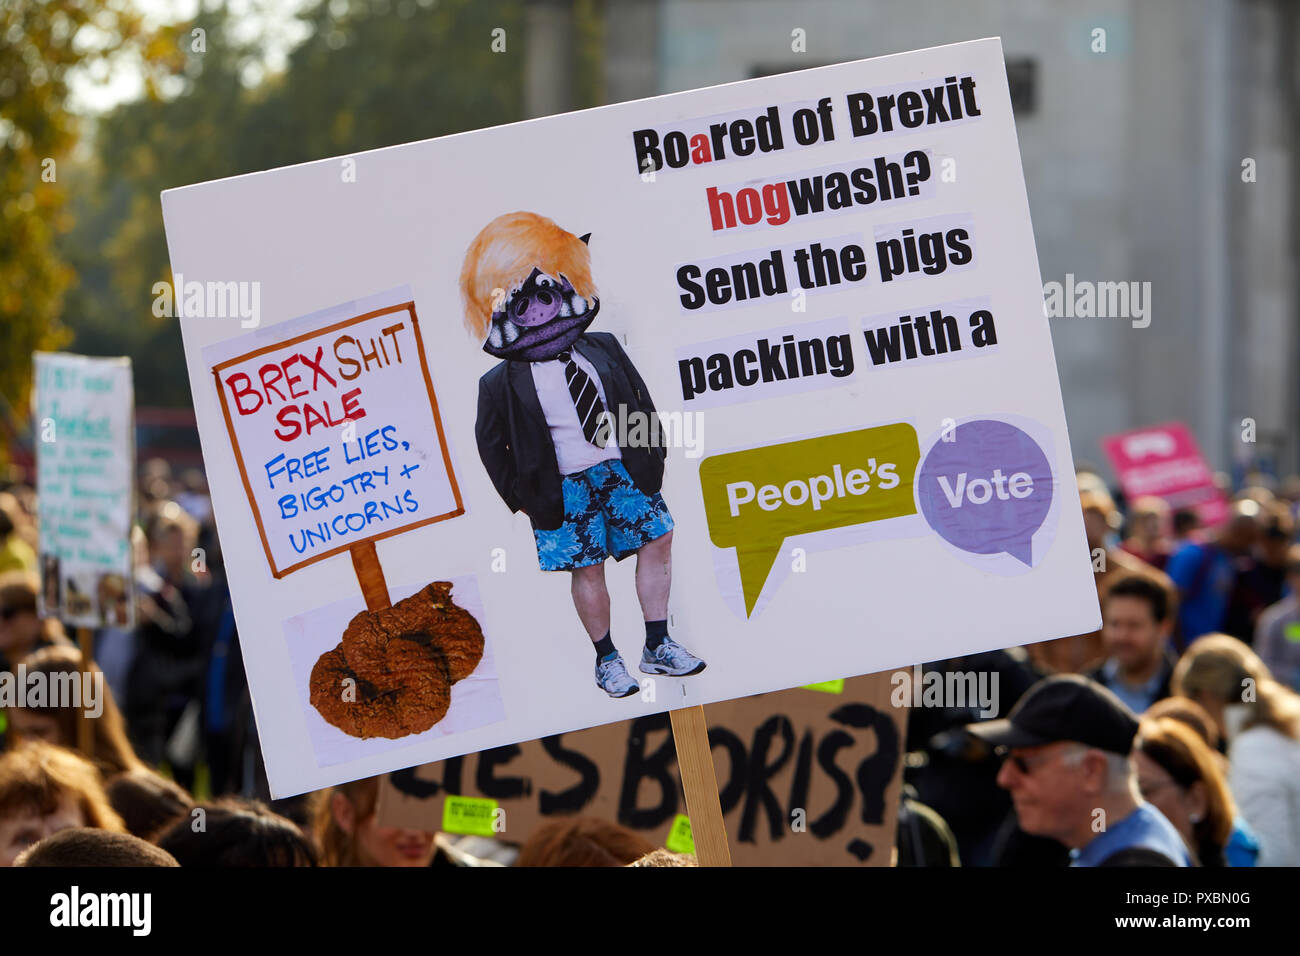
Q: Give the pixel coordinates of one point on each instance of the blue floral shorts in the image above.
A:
(605, 515)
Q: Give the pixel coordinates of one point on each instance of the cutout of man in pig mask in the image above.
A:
(545, 437)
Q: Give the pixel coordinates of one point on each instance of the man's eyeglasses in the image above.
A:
(1026, 765)
(8, 612)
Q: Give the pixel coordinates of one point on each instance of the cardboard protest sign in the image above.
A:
(1165, 462)
(795, 321)
(805, 777)
(85, 487)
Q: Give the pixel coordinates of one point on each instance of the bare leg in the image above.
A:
(654, 577)
(591, 598)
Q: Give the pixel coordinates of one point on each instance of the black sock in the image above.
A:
(656, 632)
(605, 647)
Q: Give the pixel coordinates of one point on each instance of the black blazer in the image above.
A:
(514, 440)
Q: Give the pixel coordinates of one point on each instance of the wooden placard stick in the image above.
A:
(695, 761)
(370, 575)
(85, 729)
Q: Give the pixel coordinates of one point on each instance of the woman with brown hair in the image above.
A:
(1177, 773)
(1242, 848)
(45, 789)
(1260, 719)
(21, 629)
(343, 821)
(55, 721)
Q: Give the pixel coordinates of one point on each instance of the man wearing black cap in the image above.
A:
(1066, 745)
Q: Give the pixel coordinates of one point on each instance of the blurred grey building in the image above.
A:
(1134, 160)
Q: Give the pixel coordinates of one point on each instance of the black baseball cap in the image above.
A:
(1063, 707)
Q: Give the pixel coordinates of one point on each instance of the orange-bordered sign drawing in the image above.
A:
(345, 340)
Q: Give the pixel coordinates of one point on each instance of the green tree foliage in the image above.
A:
(369, 74)
(41, 42)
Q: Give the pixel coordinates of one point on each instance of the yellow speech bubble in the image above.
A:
(756, 498)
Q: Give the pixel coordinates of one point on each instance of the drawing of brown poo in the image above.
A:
(415, 702)
(403, 660)
(365, 646)
(452, 627)
(431, 618)
(420, 673)
(329, 695)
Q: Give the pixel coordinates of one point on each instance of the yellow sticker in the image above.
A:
(827, 686)
(1292, 632)
(472, 815)
(679, 837)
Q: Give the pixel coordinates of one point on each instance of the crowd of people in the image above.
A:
(1170, 737)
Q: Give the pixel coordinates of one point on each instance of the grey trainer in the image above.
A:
(612, 677)
(670, 658)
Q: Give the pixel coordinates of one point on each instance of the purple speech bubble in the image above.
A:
(987, 490)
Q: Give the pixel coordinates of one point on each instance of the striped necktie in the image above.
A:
(591, 410)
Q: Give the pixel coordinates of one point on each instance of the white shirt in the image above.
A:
(1264, 777)
(573, 453)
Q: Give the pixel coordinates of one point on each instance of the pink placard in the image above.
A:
(1164, 461)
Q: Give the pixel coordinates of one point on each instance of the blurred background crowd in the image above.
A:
(1200, 639)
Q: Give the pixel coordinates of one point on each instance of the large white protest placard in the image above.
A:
(85, 486)
(795, 321)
